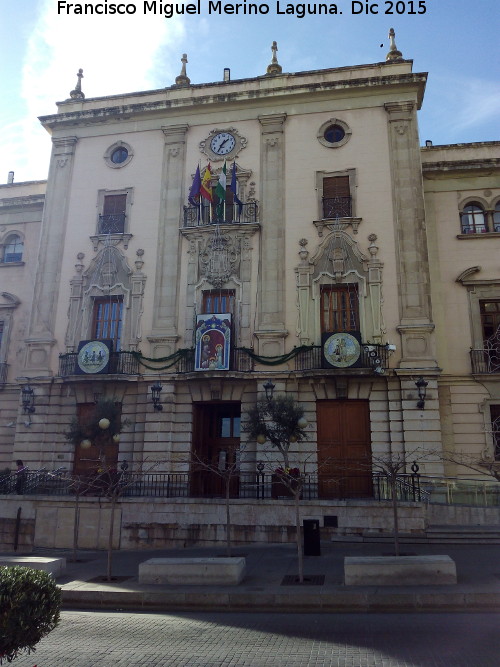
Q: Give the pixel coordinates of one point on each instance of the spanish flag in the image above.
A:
(206, 187)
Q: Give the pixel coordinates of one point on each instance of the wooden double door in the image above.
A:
(344, 449)
(216, 449)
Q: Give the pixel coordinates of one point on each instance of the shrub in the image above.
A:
(29, 609)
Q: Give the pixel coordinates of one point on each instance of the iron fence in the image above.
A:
(208, 484)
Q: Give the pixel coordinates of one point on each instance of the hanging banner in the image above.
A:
(341, 349)
(93, 356)
(213, 342)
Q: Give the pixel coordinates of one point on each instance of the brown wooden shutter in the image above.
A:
(114, 204)
(336, 186)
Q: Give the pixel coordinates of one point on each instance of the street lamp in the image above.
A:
(28, 399)
(421, 385)
(269, 389)
(155, 396)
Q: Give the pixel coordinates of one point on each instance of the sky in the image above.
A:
(41, 51)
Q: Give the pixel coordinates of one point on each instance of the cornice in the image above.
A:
(197, 97)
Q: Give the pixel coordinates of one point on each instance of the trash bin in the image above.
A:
(312, 546)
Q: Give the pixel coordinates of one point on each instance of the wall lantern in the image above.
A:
(28, 399)
(421, 385)
(155, 396)
(269, 389)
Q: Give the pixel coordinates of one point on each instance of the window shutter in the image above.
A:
(336, 186)
(114, 204)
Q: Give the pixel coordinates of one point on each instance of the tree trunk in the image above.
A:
(76, 526)
(300, 554)
(395, 515)
(228, 519)
(110, 538)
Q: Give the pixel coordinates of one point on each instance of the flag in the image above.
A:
(234, 187)
(194, 193)
(206, 187)
(220, 191)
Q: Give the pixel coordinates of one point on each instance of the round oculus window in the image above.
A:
(119, 155)
(334, 134)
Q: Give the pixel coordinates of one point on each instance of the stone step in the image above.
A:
(433, 535)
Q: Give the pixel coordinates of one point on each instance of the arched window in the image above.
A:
(473, 219)
(13, 249)
(496, 217)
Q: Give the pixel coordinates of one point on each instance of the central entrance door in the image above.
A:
(344, 449)
(216, 447)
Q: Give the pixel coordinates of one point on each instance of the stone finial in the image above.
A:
(393, 54)
(77, 94)
(183, 79)
(274, 68)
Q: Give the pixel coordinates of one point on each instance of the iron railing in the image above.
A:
(485, 361)
(4, 367)
(208, 484)
(205, 214)
(120, 363)
(111, 224)
(337, 207)
(373, 356)
(240, 361)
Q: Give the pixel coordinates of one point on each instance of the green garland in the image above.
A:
(184, 353)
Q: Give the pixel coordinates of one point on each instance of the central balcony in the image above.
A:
(233, 214)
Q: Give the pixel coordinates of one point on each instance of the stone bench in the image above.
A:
(399, 570)
(197, 571)
(55, 566)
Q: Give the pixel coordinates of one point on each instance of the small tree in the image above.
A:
(29, 609)
(281, 421)
(228, 474)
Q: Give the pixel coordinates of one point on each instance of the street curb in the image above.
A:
(375, 601)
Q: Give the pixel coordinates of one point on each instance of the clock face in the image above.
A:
(223, 143)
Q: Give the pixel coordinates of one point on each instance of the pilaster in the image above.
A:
(271, 316)
(167, 265)
(411, 241)
(41, 336)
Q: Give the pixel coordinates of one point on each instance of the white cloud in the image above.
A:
(117, 53)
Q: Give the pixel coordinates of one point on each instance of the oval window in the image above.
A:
(119, 155)
(334, 133)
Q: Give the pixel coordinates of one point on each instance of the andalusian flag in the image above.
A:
(220, 191)
(206, 187)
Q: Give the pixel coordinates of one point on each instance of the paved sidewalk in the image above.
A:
(478, 587)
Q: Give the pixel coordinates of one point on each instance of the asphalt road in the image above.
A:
(97, 639)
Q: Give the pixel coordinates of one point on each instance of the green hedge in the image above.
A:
(29, 609)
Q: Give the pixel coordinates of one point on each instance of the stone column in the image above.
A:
(416, 325)
(271, 316)
(165, 325)
(41, 336)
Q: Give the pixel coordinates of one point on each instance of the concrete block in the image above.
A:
(196, 571)
(55, 566)
(399, 570)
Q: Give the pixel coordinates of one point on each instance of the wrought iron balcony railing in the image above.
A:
(337, 207)
(204, 214)
(240, 361)
(486, 361)
(120, 363)
(373, 357)
(111, 224)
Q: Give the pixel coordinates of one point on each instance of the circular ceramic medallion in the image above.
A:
(341, 350)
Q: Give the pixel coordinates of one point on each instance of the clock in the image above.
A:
(341, 349)
(222, 143)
